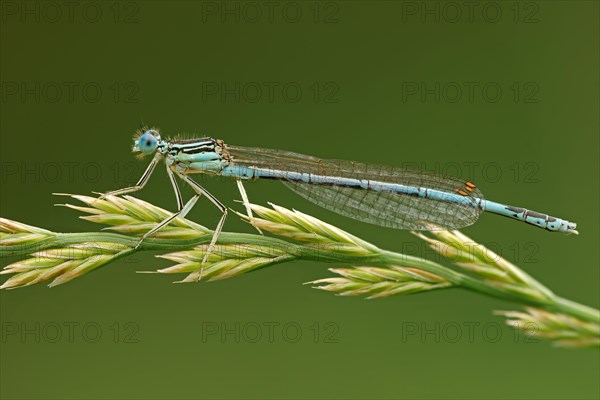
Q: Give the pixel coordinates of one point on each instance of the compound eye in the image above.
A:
(147, 143)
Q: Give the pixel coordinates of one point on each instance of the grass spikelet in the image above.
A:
(60, 265)
(132, 216)
(13, 233)
(307, 230)
(377, 282)
(563, 330)
(483, 262)
(225, 261)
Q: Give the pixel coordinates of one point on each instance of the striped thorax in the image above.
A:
(189, 156)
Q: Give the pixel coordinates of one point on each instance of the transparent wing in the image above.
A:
(393, 210)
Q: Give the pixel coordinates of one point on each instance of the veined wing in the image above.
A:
(389, 209)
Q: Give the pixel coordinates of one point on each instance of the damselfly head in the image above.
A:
(146, 141)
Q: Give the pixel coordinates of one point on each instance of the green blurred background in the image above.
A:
(384, 81)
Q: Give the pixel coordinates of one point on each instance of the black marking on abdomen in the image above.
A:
(516, 210)
(537, 215)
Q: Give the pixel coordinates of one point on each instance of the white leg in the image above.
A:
(141, 183)
(200, 190)
(246, 203)
(181, 209)
(173, 181)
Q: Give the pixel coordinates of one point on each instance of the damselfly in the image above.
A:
(381, 195)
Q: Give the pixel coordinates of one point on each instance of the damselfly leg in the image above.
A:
(140, 184)
(181, 209)
(246, 203)
(199, 191)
